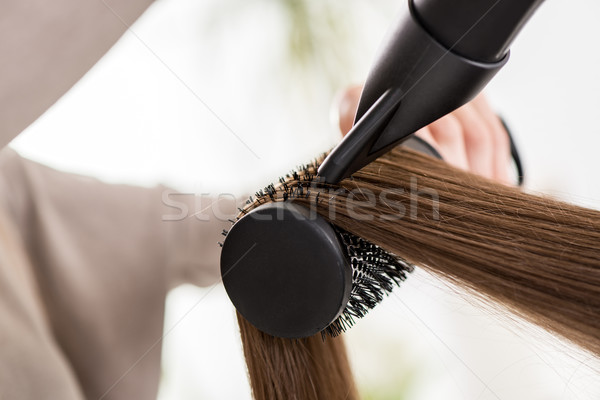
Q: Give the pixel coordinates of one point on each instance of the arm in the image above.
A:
(47, 46)
(103, 258)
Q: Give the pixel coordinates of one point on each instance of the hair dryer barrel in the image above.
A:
(481, 30)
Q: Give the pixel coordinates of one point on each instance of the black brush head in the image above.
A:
(285, 270)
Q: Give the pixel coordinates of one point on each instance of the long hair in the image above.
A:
(296, 369)
(537, 257)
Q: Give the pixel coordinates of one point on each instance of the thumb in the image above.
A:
(347, 105)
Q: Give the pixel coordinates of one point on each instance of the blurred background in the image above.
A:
(211, 96)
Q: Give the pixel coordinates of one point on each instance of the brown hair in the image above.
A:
(302, 369)
(537, 257)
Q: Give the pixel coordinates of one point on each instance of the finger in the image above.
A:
(501, 143)
(447, 133)
(425, 134)
(347, 106)
(478, 141)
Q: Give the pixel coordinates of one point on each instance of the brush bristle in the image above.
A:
(375, 272)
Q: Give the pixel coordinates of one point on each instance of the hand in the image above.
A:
(471, 137)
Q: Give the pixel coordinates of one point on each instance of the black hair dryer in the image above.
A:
(439, 56)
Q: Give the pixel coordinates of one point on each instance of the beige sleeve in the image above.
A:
(103, 257)
(47, 46)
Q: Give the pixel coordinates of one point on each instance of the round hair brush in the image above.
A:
(293, 274)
